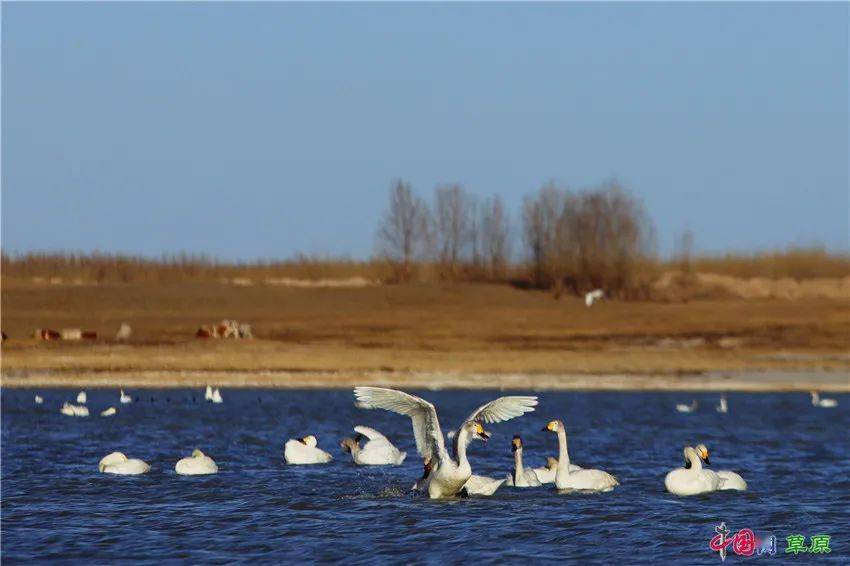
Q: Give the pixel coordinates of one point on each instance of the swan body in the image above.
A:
(39, 400)
(216, 396)
(823, 403)
(125, 399)
(196, 465)
(108, 412)
(521, 476)
(378, 450)
(546, 474)
(74, 410)
(208, 394)
(81, 397)
(445, 475)
(728, 479)
(482, 485)
(118, 463)
(305, 450)
(692, 479)
(723, 407)
(584, 480)
(682, 408)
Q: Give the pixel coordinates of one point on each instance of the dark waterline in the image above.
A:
(55, 504)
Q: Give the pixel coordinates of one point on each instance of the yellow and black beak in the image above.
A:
(481, 433)
(516, 444)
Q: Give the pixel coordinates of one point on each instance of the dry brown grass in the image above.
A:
(794, 263)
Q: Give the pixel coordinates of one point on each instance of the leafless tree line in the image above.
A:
(572, 240)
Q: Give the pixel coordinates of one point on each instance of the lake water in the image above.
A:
(55, 504)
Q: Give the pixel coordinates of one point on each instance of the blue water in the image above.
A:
(55, 504)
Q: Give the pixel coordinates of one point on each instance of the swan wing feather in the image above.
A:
(504, 409)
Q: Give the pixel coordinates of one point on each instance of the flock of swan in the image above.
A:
(448, 473)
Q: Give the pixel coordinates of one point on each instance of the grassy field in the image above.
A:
(397, 329)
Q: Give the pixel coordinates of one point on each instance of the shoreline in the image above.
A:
(740, 381)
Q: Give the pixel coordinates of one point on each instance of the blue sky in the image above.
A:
(261, 130)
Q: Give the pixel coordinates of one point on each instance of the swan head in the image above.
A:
(702, 452)
(516, 444)
(349, 444)
(475, 429)
(553, 426)
(691, 456)
(310, 441)
(111, 459)
(196, 453)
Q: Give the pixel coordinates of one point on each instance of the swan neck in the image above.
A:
(696, 463)
(462, 441)
(518, 469)
(563, 453)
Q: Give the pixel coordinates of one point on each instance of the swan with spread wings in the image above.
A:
(445, 475)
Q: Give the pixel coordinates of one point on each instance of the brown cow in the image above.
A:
(89, 335)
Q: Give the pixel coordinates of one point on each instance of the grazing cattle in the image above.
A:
(124, 332)
(245, 331)
(205, 332)
(46, 334)
(225, 329)
(89, 335)
(71, 334)
(228, 329)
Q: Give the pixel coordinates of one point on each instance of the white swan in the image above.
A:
(81, 397)
(118, 463)
(208, 394)
(824, 403)
(39, 400)
(445, 476)
(723, 407)
(682, 408)
(125, 398)
(305, 451)
(546, 474)
(196, 465)
(482, 485)
(728, 479)
(521, 476)
(216, 396)
(692, 479)
(377, 451)
(589, 480)
(74, 410)
(591, 297)
(108, 412)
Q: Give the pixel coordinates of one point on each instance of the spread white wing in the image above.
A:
(426, 428)
(371, 434)
(504, 409)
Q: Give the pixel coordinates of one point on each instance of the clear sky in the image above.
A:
(260, 130)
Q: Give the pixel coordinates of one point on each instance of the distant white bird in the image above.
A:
(216, 396)
(305, 451)
(591, 297)
(682, 408)
(208, 394)
(723, 407)
(118, 463)
(74, 410)
(109, 412)
(377, 451)
(197, 464)
(39, 400)
(824, 403)
(81, 397)
(728, 480)
(125, 398)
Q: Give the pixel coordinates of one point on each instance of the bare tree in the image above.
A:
(541, 215)
(403, 231)
(453, 223)
(495, 234)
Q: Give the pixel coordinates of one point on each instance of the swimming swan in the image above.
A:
(692, 479)
(208, 394)
(39, 400)
(377, 451)
(125, 398)
(728, 479)
(723, 407)
(118, 463)
(196, 465)
(521, 476)
(108, 412)
(216, 396)
(81, 397)
(481, 485)
(590, 480)
(305, 451)
(682, 408)
(74, 410)
(825, 403)
(445, 476)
